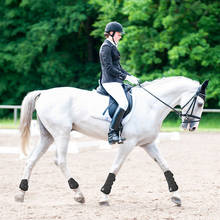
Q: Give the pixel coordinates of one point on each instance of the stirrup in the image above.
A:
(121, 139)
(115, 137)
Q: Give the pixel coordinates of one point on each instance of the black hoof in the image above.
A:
(104, 203)
(176, 200)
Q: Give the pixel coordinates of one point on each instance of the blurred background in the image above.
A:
(54, 43)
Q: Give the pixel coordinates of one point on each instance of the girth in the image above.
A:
(112, 103)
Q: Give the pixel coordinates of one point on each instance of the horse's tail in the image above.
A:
(27, 109)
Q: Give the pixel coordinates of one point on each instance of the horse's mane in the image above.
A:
(170, 79)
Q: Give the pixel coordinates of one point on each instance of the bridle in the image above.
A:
(187, 115)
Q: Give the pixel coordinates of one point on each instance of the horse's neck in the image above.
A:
(170, 92)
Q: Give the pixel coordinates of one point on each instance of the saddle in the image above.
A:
(112, 106)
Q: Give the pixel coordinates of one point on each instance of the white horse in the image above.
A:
(61, 110)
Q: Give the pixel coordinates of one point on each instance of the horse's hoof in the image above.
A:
(104, 200)
(56, 162)
(104, 203)
(79, 198)
(176, 199)
(19, 198)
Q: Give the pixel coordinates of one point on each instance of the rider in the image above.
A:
(113, 75)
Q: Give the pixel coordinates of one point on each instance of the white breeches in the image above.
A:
(117, 92)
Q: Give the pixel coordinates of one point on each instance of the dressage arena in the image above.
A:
(140, 191)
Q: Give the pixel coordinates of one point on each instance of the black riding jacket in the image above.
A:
(111, 70)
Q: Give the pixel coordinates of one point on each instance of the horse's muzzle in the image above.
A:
(189, 126)
(192, 129)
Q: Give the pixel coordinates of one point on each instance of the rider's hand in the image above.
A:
(132, 79)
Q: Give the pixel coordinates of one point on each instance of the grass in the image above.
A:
(8, 124)
(209, 122)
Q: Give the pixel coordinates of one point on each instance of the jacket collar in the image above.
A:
(109, 40)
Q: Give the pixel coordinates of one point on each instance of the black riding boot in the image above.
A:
(113, 135)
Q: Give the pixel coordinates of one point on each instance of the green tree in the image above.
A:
(166, 38)
(51, 43)
(44, 44)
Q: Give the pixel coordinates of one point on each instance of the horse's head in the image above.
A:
(192, 107)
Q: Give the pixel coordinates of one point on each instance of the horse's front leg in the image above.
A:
(122, 153)
(154, 152)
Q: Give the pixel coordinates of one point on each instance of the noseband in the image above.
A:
(187, 115)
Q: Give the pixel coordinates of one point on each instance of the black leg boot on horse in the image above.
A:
(115, 127)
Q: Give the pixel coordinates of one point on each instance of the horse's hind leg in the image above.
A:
(61, 143)
(154, 152)
(45, 141)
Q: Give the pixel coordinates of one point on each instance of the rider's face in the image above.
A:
(117, 36)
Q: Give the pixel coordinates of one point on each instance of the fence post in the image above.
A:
(15, 115)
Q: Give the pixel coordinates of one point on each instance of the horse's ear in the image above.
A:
(204, 85)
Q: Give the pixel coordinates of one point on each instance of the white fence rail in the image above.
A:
(212, 110)
(16, 107)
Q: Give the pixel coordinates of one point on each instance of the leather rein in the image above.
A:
(187, 115)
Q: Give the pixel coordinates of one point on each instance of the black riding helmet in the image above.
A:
(115, 27)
